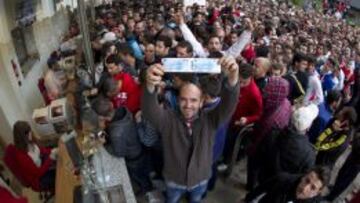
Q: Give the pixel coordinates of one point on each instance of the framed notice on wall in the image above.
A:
(25, 13)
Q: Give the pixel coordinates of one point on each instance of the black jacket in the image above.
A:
(288, 152)
(294, 88)
(280, 189)
(123, 136)
(297, 155)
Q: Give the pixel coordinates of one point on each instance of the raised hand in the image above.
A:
(248, 24)
(231, 69)
(179, 18)
(154, 76)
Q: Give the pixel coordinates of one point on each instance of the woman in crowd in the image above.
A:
(35, 164)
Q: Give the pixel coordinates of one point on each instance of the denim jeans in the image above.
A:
(174, 192)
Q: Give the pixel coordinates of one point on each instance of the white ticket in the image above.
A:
(191, 65)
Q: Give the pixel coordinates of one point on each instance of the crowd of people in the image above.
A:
(292, 76)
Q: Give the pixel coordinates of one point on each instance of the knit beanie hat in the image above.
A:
(303, 117)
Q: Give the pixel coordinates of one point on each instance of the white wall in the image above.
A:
(355, 4)
(5, 128)
(8, 103)
(4, 32)
(18, 102)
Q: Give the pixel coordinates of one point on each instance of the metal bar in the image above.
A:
(92, 10)
(86, 38)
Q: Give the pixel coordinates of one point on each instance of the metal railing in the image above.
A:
(246, 130)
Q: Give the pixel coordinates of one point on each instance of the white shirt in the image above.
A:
(324, 58)
(314, 92)
(34, 153)
(266, 40)
(340, 81)
(99, 68)
(199, 51)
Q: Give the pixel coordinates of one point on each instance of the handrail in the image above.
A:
(242, 133)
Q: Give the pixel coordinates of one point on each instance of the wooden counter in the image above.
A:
(66, 181)
(114, 168)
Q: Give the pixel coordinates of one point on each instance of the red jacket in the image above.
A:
(215, 15)
(6, 197)
(249, 53)
(129, 93)
(24, 168)
(42, 88)
(349, 77)
(250, 104)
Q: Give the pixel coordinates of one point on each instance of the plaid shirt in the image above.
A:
(275, 92)
(277, 109)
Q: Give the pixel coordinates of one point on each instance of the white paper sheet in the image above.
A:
(191, 65)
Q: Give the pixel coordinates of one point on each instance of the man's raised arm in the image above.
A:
(229, 93)
(244, 39)
(189, 36)
(151, 109)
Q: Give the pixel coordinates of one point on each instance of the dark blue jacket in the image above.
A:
(321, 122)
(220, 133)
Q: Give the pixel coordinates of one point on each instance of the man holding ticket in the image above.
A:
(188, 134)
